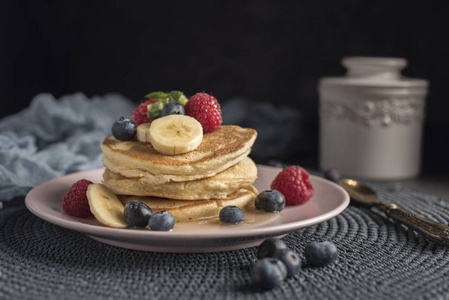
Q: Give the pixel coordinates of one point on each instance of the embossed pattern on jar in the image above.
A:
(367, 112)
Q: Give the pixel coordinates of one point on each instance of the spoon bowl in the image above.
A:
(359, 192)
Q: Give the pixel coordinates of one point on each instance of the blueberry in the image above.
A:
(172, 108)
(333, 175)
(137, 213)
(269, 247)
(290, 259)
(124, 129)
(320, 253)
(268, 273)
(232, 214)
(161, 221)
(270, 201)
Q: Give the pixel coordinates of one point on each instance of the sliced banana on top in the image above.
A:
(143, 133)
(105, 206)
(175, 134)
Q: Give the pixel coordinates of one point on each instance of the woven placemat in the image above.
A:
(378, 259)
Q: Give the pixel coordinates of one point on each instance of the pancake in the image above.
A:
(197, 209)
(218, 151)
(160, 179)
(225, 183)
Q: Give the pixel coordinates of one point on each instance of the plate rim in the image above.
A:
(102, 231)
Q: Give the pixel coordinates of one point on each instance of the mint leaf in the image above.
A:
(154, 110)
(175, 95)
(182, 100)
(157, 96)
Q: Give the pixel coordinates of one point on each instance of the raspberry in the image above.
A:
(140, 113)
(75, 201)
(206, 110)
(293, 182)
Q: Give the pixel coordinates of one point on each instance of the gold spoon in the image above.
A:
(433, 231)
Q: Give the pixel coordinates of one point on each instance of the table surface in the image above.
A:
(378, 259)
(436, 184)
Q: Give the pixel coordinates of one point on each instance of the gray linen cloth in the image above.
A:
(279, 127)
(53, 137)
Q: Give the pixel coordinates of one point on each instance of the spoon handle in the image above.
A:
(433, 231)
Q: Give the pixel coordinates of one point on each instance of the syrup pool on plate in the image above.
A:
(253, 218)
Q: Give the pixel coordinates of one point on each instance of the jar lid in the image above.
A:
(374, 72)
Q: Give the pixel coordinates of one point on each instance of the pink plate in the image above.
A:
(204, 236)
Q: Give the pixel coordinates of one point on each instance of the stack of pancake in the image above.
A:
(191, 186)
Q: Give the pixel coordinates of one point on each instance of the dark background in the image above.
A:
(268, 51)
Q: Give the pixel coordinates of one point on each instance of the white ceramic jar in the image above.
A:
(371, 120)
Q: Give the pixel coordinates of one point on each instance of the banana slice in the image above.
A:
(105, 206)
(143, 133)
(175, 134)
